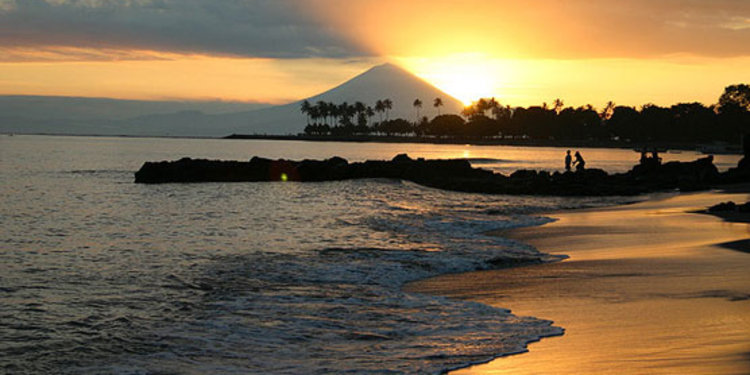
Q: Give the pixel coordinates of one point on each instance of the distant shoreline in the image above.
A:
(731, 149)
(485, 142)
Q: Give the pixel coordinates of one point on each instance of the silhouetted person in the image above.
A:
(568, 160)
(579, 162)
(644, 157)
(655, 156)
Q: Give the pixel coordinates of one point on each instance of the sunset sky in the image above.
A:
(632, 52)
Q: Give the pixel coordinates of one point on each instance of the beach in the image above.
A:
(648, 288)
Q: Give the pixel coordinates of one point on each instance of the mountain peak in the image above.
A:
(388, 80)
(384, 81)
(388, 69)
(387, 66)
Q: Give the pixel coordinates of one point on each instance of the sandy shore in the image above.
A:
(647, 290)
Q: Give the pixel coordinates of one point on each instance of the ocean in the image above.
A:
(100, 275)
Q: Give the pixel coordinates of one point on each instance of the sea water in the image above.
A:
(102, 275)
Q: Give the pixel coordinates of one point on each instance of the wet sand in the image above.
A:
(647, 290)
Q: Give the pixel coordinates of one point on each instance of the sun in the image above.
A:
(467, 77)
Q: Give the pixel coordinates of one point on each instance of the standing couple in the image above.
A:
(579, 163)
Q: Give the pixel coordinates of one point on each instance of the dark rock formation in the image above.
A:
(696, 175)
(457, 175)
(730, 207)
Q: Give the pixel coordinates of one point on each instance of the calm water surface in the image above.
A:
(100, 275)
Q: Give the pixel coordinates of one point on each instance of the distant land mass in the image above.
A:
(101, 116)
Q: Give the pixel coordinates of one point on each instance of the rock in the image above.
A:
(456, 174)
(401, 158)
(723, 207)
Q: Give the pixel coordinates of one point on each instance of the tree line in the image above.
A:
(327, 118)
(726, 120)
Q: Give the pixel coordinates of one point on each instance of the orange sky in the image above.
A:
(523, 53)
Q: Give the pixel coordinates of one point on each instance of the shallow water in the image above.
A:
(645, 290)
(101, 275)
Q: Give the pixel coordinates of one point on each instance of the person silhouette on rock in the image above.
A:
(579, 163)
(568, 160)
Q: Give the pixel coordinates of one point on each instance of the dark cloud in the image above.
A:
(121, 29)
(256, 28)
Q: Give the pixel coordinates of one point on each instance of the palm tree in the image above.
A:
(417, 105)
(500, 112)
(369, 112)
(388, 105)
(314, 113)
(332, 112)
(481, 106)
(359, 107)
(343, 112)
(305, 108)
(322, 110)
(558, 105)
(608, 110)
(492, 104)
(380, 108)
(437, 103)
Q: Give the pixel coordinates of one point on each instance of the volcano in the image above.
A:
(377, 83)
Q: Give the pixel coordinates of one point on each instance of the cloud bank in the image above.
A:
(257, 28)
(292, 29)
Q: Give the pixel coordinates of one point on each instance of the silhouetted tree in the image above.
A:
(369, 112)
(359, 108)
(686, 122)
(481, 126)
(651, 124)
(623, 122)
(608, 110)
(417, 106)
(690, 121)
(502, 113)
(535, 121)
(734, 112)
(361, 115)
(380, 108)
(446, 125)
(557, 105)
(492, 104)
(397, 126)
(735, 96)
(317, 129)
(422, 127)
(437, 103)
(387, 105)
(306, 108)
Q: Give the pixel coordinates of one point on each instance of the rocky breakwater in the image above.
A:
(457, 175)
